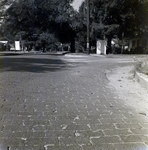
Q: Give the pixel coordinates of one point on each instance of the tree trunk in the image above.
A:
(109, 49)
(72, 44)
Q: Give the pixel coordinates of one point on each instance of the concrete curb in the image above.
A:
(9, 53)
(83, 55)
(142, 79)
(76, 55)
(32, 53)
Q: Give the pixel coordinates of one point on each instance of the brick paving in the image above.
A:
(63, 103)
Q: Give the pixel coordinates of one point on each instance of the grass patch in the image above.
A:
(141, 64)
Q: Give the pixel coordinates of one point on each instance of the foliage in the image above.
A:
(47, 41)
(50, 23)
(42, 21)
(121, 19)
(137, 50)
(123, 15)
(2, 47)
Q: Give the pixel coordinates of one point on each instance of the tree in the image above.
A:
(117, 18)
(4, 4)
(81, 33)
(67, 23)
(34, 18)
(46, 41)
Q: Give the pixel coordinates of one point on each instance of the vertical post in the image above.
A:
(123, 30)
(122, 49)
(88, 27)
(20, 41)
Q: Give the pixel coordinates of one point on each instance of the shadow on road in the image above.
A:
(35, 65)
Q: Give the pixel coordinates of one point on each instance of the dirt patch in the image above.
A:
(142, 65)
(125, 86)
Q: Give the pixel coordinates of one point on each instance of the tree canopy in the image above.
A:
(51, 22)
(116, 18)
(31, 19)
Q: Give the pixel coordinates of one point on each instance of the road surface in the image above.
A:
(50, 102)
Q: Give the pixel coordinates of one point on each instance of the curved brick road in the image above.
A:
(63, 103)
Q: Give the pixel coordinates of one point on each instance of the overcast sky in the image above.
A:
(77, 3)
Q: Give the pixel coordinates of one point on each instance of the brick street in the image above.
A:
(50, 102)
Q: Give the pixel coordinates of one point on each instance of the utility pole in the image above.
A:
(122, 49)
(88, 27)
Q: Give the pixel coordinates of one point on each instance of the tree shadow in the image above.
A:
(35, 65)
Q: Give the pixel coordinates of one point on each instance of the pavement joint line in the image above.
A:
(68, 120)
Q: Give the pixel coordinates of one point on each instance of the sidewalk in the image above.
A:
(130, 87)
(142, 79)
(5, 53)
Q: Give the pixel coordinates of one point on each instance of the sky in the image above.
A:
(77, 3)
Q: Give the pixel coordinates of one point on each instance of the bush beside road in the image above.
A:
(141, 70)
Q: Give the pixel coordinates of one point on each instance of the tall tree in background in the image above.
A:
(31, 19)
(118, 18)
(66, 23)
(39, 20)
(3, 6)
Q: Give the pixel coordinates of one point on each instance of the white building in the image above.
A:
(138, 42)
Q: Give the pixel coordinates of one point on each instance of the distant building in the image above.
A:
(4, 42)
(139, 41)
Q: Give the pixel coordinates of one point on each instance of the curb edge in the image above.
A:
(142, 79)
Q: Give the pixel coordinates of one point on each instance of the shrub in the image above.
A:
(3, 47)
(142, 65)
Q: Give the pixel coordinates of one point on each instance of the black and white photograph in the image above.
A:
(73, 74)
